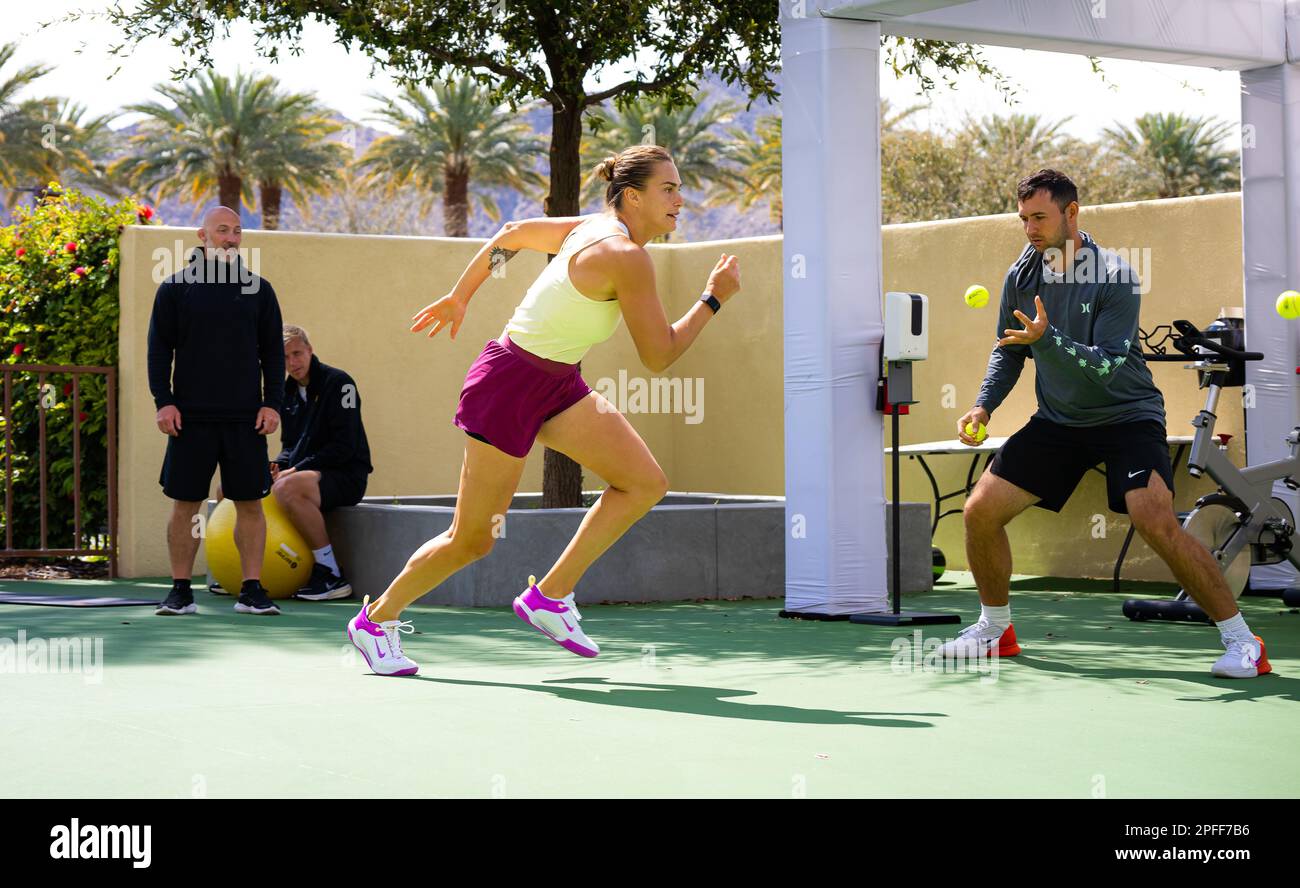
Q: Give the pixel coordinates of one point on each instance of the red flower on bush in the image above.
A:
(81, 271)
(67, 388)
(83, 416)
(20, 252)
(145, 212)
(70, 246)
(19, 349)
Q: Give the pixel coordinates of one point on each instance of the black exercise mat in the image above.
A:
(71, 601)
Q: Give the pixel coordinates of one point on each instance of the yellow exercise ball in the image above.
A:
(286, 563)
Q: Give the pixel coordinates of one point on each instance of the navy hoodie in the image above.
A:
(1090, 369)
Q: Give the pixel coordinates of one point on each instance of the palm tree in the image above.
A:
(77, 146)
(756, 170)
(294, 154)
(1177, 155)
(453, 142)
(21, 154)
(996, 152)
(204, 139)
(692, 134)
(756, 175)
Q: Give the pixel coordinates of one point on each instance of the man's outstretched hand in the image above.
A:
(1033, 331)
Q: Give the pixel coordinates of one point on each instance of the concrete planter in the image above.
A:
(690, 546)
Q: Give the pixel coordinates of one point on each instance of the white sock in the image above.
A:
(996, 617)
(1235, 628)
(326, 557)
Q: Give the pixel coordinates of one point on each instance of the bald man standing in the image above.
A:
(220, 325)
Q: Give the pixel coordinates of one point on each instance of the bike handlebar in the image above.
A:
(1190, 337)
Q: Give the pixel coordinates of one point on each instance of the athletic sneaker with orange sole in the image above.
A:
(1242, 659)
(981, 640)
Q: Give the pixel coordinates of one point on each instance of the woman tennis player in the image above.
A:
(525, 386)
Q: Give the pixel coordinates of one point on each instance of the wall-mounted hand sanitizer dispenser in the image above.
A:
(907, 327)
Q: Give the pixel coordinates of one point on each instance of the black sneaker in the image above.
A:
(217, 589)
(254, 600)
(179, 601)
(324, 586)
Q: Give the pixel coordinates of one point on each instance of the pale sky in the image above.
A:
(342, 79)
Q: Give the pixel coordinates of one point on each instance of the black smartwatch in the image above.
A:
(711, 301)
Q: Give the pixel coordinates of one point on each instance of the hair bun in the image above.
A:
(606, 168)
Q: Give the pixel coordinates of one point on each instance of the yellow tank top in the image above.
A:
(555, 321)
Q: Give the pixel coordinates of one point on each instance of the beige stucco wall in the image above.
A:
(355, 296)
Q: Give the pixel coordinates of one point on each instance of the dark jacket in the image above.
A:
(325, 431)
(221, 325)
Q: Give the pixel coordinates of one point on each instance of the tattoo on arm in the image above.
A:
(499, 256)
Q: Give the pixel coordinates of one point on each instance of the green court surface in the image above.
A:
(695, 699)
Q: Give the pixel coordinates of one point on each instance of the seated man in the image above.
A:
(325, 459)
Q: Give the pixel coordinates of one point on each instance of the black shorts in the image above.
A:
(1048, 459)
(339, 488)
(193, 456)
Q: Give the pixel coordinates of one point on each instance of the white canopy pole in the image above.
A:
(1270, 225)
(834, 471)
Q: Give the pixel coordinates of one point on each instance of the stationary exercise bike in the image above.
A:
(1241, 523)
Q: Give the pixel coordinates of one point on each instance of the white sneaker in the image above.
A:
(1242, 659)
(981, 640)
(556, 618)
(381, 643)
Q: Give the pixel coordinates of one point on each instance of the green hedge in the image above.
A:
(59, 305)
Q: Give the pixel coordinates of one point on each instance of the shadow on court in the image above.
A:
(693, 700)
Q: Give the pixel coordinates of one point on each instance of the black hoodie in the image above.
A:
(325, 431)
(221, 324)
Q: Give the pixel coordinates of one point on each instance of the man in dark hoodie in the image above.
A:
(1097, 403)
(220, 324)
(325, 459)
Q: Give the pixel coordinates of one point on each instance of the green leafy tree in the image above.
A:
(452, 142)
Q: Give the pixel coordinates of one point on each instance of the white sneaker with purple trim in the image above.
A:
(381, 643)
(556, 618)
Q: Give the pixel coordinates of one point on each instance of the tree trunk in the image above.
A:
(455, 201)
(561, 476)
(229, 186)
(271, 194)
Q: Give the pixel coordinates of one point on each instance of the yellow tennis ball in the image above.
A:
(979, 433)
(977, 296)
(1288, 305)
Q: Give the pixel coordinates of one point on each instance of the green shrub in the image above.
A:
(59, 267)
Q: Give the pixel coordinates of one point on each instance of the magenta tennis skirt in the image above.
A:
(510, 392)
